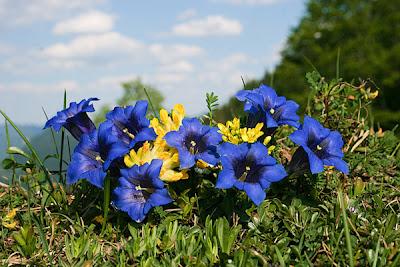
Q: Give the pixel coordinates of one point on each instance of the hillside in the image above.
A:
(41, 140)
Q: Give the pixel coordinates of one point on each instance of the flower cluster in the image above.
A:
(144, 156)
(232, 133)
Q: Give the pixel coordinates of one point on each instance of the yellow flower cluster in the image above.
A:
(8, 220)
(232, 133)
(167, 123)
(159, 148)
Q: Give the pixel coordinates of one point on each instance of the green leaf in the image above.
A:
(17, 151)
(8, 163)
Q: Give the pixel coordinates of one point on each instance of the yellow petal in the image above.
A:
(267, 140)
(128, 161)
(270, 149)
(11, 225)
(164, 116)
(11, 214)
(202, 164)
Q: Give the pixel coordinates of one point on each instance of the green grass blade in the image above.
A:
(29, 145)
(346, 229)
(338, 64)
(11, 155)
(106, 204)
(151, 103)
(69, 149)
(43, 238)
(62, 143)
(376, 252)
(52, 133)
(280, 258)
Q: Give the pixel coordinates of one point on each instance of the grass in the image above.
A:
(324, 220)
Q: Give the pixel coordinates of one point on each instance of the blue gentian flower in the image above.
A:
(271, 109)
(195, 141)
(87, 161)
(140, 189)
(74, 118)
(128, 126)
(321, 145)
(248, 167)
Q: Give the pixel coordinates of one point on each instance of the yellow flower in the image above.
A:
(158, 150)
(232, 133)
(270, 149)
(8, 220)
(168, 123)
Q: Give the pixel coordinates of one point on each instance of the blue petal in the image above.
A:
(264, 183)
(239, 184)
(139, 114)
(255, 192)
(269, 121)
(136, 212)
(269, 95)
(231, 150)
(299, 137)
(288, 114)
(256, 100)
(212, 137)
(160, 197)
(333, 144)
(316, 164)
(338, 163)
(259, 153)
(273, 173)
(146, 134)
(95, 177)
(117, 150)
(208, 156)
(174, 139)
(226, 179)
(153, 171)
(314, 129)
(186, 159)
(191, 125)
(241, 95)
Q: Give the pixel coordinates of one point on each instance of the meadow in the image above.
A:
(324, 219)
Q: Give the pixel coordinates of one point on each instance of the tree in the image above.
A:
(364, 35)
(132, 91)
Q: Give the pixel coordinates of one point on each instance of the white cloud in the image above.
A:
(215, 25)
(26, 87)
(178, 66)
(250, 2)
(110, 43)
(6, 49)
(187, 14)
(170, 53)
(22, 12)
(89, 22)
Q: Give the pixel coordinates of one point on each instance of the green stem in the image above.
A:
(62, 144)
(346, 229)
(150, 102)
(106, 204)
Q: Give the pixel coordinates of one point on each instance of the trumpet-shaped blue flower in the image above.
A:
(140, 189)
(127, 126)
(87, 161)
(248, 167)
(74, 119)
(194, 141)
(269, 108)
(321, 145)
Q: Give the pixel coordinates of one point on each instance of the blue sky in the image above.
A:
(184, 48)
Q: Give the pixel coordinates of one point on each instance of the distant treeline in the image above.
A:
(351, 39)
